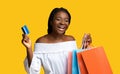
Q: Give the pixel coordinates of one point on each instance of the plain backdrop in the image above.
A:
(101, 18)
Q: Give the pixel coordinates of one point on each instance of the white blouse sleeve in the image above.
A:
(34, 66)
(26, 65)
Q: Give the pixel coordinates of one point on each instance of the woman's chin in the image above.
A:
(60, 32)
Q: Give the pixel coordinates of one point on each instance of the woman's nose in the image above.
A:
(62, 22)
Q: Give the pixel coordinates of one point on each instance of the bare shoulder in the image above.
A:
(41, 39)
(70, 38)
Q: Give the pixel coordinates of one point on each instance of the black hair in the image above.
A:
(52, 14)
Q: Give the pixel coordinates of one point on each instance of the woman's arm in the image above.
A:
(27, 43)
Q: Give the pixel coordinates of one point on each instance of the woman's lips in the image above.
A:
(61, 28)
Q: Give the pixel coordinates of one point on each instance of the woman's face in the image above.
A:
(60, 22)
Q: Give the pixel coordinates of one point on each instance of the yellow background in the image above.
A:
(101, 18)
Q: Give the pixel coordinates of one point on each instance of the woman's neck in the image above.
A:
(56, 36)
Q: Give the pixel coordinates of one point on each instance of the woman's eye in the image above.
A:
(66, 20)
(58, 19)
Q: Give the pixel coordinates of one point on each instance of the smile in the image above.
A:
(61, 28)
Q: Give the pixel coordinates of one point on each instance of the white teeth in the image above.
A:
(61, 29)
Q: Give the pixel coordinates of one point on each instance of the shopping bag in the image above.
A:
(75, 67)
(70, 63)
(94, 61)
(81, 63)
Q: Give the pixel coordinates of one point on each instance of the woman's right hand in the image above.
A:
(26, 41)
(28, 44)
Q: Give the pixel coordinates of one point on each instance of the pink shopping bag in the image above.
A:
(70, 63)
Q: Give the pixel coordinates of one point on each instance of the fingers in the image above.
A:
(86, 40)
(25, 38)
(82, 46)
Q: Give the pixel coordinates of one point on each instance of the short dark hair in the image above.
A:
(52, 14)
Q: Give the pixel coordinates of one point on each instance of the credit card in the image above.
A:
(25, 29)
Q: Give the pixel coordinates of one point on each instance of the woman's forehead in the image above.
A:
(61, 13)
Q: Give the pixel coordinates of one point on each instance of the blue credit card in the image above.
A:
(25, 29)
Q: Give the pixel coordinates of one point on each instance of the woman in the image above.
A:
(51, 50)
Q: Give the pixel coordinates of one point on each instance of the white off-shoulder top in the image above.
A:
(52, 56)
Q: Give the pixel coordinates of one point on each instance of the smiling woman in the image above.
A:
(51, 50)
(60, 22)
(65, 17)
